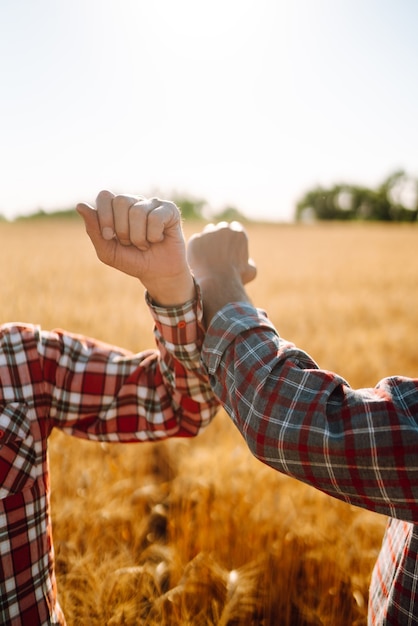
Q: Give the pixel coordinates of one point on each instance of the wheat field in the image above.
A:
(198, 532)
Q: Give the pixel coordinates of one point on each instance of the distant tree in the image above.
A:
(401, 191)
(395, 199)
(191, 208)
(327, 204)
(230, 214)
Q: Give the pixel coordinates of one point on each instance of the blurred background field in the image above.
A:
(198, 532)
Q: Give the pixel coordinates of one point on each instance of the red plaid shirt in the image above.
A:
(360, 446)
(91, 390)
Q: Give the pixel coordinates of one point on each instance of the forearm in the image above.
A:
(309, 423)
(218, 291)
(102, 393)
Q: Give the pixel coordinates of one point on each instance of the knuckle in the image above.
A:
(104, 194)
(124, 201)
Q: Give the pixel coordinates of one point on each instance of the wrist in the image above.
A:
(218, 291)
(172, 291)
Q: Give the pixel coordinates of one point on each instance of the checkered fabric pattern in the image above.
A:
(360, 446)
(91, 390)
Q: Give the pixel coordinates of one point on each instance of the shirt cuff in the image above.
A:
(231, 321)
(181, 324)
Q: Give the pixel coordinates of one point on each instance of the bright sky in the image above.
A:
(246, 103)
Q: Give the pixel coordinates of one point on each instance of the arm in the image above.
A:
(124, 397)
(357, 445)
(99, 391)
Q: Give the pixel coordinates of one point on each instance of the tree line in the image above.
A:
(191, 209)
(394, 200)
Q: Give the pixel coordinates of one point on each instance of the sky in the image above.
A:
(243, 103)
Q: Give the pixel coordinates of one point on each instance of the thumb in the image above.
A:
(91, 222)
(90, 217)
(250, 272)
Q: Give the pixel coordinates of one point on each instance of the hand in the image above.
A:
(221, 249)
(143, 238)
(221, 265)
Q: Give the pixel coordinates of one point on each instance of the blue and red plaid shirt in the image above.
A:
(360, 446)
(91, 390)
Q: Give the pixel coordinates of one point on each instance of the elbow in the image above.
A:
(193, 417)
